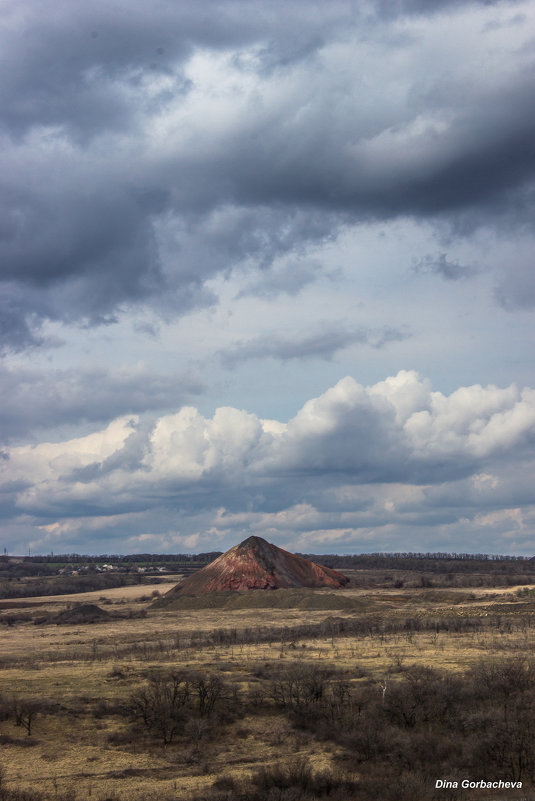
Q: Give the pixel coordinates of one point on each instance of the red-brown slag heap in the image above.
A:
(255, 564)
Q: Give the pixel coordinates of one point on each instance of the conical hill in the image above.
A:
(256, 564)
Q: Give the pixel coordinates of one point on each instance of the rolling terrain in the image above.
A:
(355, 693)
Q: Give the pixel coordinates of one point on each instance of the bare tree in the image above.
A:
(25, 710)
(208, 692)
(161, 704)
(299, 686)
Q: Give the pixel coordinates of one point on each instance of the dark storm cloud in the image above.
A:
(322, 344)
(32, 400)
(486, 153)
(198, 245)
(391, 8)
(66, 68)
(75, 246)
(95, 218)
(19, 328)
(63, 68)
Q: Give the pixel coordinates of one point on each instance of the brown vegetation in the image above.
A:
(376, 699)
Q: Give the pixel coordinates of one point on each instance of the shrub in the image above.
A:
(296, 781)
(161, 704)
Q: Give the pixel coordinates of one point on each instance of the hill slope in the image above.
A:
(256, 564)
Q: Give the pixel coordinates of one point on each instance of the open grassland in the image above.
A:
(283, 696)
(119, 595)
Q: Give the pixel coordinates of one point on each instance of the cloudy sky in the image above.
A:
(267, 267)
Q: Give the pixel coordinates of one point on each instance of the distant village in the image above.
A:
(107, 568)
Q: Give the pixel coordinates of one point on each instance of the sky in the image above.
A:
(267, 268)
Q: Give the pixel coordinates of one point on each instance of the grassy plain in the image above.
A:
(85, 740)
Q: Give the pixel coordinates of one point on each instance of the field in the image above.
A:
(368, 693)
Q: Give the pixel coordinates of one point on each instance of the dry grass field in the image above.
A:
(247, 701)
